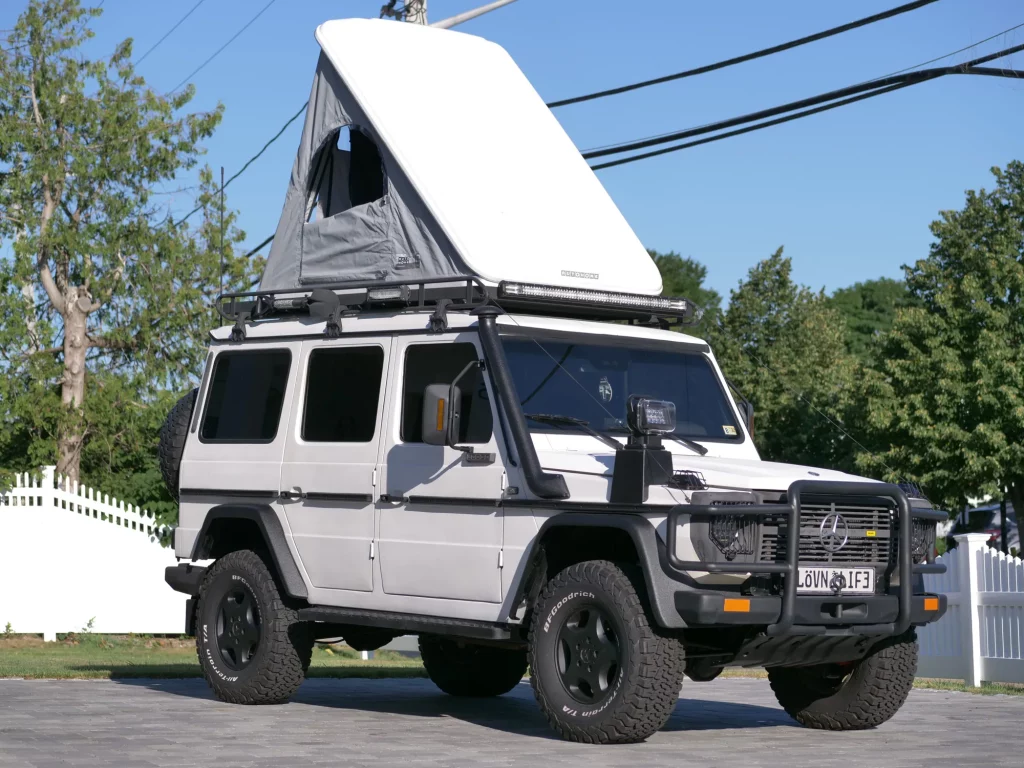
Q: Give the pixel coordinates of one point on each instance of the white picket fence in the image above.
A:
(981, 637)
(70, 555)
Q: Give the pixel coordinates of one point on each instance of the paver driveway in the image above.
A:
(731, 722)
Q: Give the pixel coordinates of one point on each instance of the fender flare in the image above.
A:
(661, 585)
(270, 529)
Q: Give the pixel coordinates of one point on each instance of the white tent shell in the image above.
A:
(479, 178)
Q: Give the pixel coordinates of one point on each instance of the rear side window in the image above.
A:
(342, 392)
(246, 395)
(439, 364)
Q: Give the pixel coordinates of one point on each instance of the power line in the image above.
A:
(220, 50)
(871, 85)
(168, 33)
(749, 128)
(874, 79)
(251, 160)
(746, 57)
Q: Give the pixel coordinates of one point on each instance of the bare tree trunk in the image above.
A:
(71, 435)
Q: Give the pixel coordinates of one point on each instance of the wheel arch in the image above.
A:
(230, 527)
(572, 537)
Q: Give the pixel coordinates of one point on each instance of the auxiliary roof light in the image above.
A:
(610, 299)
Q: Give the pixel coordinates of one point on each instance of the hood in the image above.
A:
(739, 474)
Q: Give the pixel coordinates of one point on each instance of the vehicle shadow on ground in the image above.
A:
(515, 713)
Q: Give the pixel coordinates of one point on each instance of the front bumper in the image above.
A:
(793, 614)
(813, 614)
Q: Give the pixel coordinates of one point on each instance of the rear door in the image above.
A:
(330, 460)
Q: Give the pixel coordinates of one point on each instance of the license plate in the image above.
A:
(825, 579)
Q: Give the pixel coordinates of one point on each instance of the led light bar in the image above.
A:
(611, 299)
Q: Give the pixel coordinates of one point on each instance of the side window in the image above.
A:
(246, 394)
(439, 364)
(347, 172)
(342, 392)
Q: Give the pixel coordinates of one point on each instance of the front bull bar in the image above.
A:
(786, 624)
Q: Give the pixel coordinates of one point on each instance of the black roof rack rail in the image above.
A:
(461, 293)
(334, 301)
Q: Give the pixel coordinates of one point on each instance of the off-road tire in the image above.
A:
(468, 669)
(285, 646)
(875, 689)
(646, 687)
(172, 441)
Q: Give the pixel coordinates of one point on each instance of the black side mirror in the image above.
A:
(747, 411)
(442, 412)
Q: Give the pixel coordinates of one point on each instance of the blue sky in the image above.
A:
(849, 193)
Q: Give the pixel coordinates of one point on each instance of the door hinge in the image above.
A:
(504, 481)
(501, 558)
(373, 551)
(373, 478)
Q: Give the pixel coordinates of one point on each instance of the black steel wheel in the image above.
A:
(238, 626)
(251, 646)
(588, 655)
(601, 669)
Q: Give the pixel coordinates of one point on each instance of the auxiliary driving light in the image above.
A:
(646, 416)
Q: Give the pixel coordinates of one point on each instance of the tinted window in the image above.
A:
(246, 395)
(593, 381)
(342, 391)
(439, 364)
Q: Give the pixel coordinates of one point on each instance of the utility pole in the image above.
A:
(415, 11)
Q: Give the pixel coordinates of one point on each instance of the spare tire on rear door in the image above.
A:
(172, 441)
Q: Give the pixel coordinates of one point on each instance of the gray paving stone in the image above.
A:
(369, 723)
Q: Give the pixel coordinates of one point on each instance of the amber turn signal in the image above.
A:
(931, 603)
(736, 605)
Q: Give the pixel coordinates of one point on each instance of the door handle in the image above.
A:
(295, 494)
(390, 498)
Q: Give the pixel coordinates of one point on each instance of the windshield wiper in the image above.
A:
(693, 446)
(688, 443)
(569, 421)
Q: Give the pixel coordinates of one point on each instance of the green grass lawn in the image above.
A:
(102, 656)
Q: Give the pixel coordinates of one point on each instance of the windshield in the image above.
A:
(593, 381)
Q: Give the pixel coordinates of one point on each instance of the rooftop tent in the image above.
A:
(455, 167)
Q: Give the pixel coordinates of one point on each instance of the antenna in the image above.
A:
(222, 229)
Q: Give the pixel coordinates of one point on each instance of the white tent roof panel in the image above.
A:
(487, 157)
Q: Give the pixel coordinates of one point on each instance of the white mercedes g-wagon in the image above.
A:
(458, 407)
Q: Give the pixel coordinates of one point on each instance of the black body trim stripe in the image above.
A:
(315, 496)
(234, 494)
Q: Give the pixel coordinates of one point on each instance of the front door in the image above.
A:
(440, 522)
(330, 460)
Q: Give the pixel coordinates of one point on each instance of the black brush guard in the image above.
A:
(834, 491)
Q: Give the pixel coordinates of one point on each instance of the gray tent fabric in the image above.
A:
(393, 238)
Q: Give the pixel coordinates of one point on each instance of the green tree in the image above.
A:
(106, 300)
(947, 404)
(783, 347)
(868, 309)
(682, 276)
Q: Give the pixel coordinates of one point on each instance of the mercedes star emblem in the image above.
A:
(833, 532)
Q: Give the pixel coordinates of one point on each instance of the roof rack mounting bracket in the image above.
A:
(238, 332)
(439, 317)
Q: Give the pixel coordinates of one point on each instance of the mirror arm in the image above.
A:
(453, 439)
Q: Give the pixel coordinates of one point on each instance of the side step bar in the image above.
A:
(407, 622)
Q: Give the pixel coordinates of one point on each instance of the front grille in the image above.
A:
(863, 547)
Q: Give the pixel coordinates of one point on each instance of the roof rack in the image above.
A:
(334, 301)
